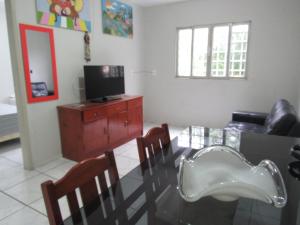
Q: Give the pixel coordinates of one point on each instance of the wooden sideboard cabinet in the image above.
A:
(89, 129)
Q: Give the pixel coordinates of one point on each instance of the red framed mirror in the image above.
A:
(39, 63)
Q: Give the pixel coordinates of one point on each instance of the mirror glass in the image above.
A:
(39, 63)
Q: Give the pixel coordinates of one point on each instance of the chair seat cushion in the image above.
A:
(247, 127)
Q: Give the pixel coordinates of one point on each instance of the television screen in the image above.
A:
(103, 81)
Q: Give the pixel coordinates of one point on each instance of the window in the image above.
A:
(200, 52)
(238, 50)
(218, 51)
(184, 51)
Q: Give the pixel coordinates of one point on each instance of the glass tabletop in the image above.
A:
(148, 194)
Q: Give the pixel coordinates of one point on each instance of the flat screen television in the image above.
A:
(103, 83)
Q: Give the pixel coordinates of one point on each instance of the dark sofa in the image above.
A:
(282, 120)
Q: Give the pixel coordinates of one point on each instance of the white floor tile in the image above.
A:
(39, 205)
(6, 164)
(12, 173)
(132, 152)
(132, 142)
(59, 171)
(8, 206)
(125, 164)
(52, 165)
(120, 150)
(29, 190)
(14, 155)
(64, 207)
(25, 216)
(124, 148)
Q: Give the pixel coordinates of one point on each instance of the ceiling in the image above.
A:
(147, 3)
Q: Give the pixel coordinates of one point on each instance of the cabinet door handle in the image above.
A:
(105, 131)
(126, 123)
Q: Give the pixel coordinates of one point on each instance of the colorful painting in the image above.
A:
(117, 18)
(69, 14)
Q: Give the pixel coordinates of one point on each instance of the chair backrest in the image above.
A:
(82, 176)
(154, 141)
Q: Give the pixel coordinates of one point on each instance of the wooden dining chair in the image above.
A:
(82, 176)
(153, 142)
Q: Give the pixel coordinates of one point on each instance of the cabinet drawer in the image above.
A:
(92, 115)
(135, 103)
(120, 107)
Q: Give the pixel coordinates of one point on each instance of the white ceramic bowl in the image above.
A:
(225, 174)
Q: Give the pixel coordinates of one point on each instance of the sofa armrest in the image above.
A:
(249, 117)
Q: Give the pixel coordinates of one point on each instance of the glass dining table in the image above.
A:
(148, 194)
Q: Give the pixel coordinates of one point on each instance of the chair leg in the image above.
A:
(113, 172)
(141, 149)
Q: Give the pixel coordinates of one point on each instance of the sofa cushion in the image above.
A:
(295, 130)
(282, 103)
(247, 127)
(281, 118)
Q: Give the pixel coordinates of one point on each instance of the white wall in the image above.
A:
(273, 65)
(6, 78)
(42, 117)
(273, 62)
(40, 61)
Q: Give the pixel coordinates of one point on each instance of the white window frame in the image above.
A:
(209, 51)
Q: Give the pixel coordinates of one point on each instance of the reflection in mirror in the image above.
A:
(39, 63)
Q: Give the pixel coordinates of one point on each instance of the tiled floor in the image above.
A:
(21, 201)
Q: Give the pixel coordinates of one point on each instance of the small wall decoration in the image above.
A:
(117, 18)
(87, 48)
(70, 14)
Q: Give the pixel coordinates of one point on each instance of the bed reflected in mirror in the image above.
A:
(39, 63)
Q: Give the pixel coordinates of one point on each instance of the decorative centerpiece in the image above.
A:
(225, 174)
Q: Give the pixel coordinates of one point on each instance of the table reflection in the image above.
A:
(200, 137)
